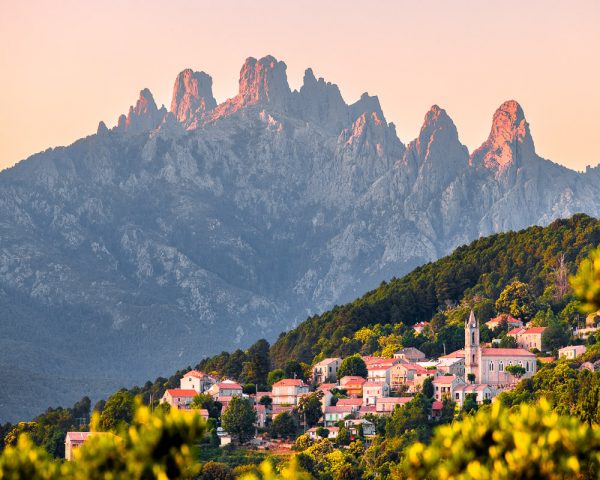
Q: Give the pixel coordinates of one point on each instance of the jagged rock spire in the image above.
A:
(192, 97)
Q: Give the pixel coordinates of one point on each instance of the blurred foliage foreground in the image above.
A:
(526, 442)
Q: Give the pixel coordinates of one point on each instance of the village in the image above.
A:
(478, 372)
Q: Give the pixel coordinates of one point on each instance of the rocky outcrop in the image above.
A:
(192, 98)
(142, 117)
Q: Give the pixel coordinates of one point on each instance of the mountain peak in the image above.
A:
(263, 80)
(192, 97)
(143, 116)
(509, 139)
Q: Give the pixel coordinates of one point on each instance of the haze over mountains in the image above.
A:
(181, 233)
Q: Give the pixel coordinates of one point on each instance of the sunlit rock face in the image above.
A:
(140, 249)
(192, 97)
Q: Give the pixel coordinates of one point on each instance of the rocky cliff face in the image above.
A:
(178, 234)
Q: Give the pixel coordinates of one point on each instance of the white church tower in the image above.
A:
(472, 347)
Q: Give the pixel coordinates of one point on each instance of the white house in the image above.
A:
(326, 370)
(333, 415)
(481, 392)
(333, 433)
(572, 351)
(197, 381)
(374, 390)
(443, 387)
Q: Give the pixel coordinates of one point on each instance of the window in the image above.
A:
(501, 366)
(457, 395)
(473, 358)
(527, 366)
(491, 366)
(473, 337)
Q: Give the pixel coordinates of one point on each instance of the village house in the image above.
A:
(332, 433)
(179, 398)
(528, 338)
(327, 395)
(419, 327)
(287, 391)
(326, 370)
(354, 425)
(262, 415)
(436, 410)
(451, 366)
(226, 388)
(481, 392)
(352, 385)
(379, 369)
(345, 402)
(197, 381)
(374, 390)
(387, 405)
(572, 351)
(73, 441)
(410, 375)
(410, 354)
(504, 317)
(332, 415)
(443, 387)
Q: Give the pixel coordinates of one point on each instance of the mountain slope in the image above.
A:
(178, 234)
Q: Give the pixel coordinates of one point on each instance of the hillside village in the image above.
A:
(477, 373)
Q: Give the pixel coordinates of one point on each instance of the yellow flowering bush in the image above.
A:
(530, 442)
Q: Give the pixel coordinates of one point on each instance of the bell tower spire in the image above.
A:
(472, 347)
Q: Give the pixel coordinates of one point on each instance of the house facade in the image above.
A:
(572, 351)
(374, 390)
(288, 390)
(482, 393)
(196, 380)
(179, 398)
(326, 370)
(353, 385)
(529, 338)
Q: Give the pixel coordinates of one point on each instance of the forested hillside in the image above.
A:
(473, 275)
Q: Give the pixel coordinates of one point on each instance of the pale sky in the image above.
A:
(66, 65)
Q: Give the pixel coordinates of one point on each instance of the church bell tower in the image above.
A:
(472, 348)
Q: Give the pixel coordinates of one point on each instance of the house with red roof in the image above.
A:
(353, 385)
(385, 405)
(511, 321)
(196, 380)
(226, 388)
(436, 409)
(333, 414)
(443, 387)
(528, 338)
(379, 369)
(179, 398)
(74, 440)
(288, 391)
(420, 326)
(372, 390)
(356, 402)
